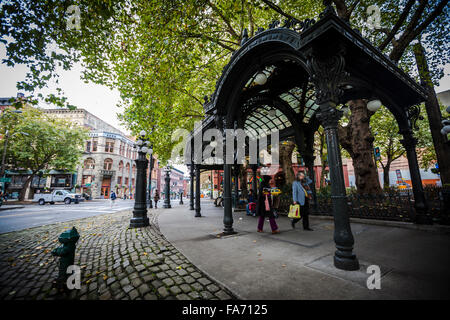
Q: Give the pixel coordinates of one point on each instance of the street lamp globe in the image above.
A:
(374, 105)
(142, 133)
(139, 142)
(144, 149)
(149, 151)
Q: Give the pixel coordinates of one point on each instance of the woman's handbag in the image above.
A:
(294, 211)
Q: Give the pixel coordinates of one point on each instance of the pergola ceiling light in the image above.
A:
(260, 79)
(272, 113)
(374, 105)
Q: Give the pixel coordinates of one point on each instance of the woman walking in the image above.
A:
(300, 196)
(156, 198)
(264, 206)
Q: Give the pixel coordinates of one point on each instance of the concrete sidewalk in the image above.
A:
(297, 264)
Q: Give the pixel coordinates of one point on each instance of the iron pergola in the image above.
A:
(292, 77)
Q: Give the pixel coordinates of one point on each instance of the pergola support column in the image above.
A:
(191, 186)
(197, 191)
(227, 210)
(409, 143)
(326, 74)
(254, 181)
(236, 185)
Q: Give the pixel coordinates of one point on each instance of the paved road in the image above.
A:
(36, 215)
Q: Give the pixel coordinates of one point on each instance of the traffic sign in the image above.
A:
(376, 152)
(5, 180)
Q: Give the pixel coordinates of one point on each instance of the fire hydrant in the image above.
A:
(66, 251)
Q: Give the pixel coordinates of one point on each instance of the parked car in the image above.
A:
(57, 196)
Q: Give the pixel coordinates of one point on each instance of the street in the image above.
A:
(36, 215)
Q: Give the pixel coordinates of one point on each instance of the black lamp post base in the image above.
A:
(198, 214)
(139, 222)
(347, 262)
(167, 206)
(150, 204)
(228, 231)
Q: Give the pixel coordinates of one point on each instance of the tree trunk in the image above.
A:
(357, 139)
(286, 150)
(23, 191)
(386, 181)
(434, 115)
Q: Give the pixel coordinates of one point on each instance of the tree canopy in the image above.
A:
(41, 143)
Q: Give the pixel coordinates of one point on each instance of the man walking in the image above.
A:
(113, 198)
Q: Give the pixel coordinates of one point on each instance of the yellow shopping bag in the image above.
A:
(294, 211)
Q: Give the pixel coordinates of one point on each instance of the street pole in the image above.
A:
(150, 205)
(140, 218)
(167, 189)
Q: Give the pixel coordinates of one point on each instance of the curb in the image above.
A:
(397, 224)
(11, 208)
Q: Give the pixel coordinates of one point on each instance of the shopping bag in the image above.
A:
(294, 211)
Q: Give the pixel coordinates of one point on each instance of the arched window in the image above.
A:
(108, 164)
(128, 169)
(120, 165)
(89, 163)
(134, 169)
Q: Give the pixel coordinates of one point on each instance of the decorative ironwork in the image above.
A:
(329, 118)
(327, 75)
(413, 113)
(393, 205)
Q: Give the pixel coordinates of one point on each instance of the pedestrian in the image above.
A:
(264, 207)
(300, 196)
(156, 198)
(113, 198)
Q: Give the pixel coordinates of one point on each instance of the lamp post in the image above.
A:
(140, 218)
(167, 188)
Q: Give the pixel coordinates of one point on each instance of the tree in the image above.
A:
(165, 56)
(387, 138)
(401, 23)
(44, 143)
(162, 56)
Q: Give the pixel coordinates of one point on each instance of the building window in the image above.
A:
(109, 147)
(126, 181)
(128, 169)
(134, 170)
(86, 180)
(94, 145)
(89, 163)
(120, 165)
(108, 164)
(119, 181)
(88, 146)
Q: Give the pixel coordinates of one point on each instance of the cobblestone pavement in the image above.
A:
(116, 263)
